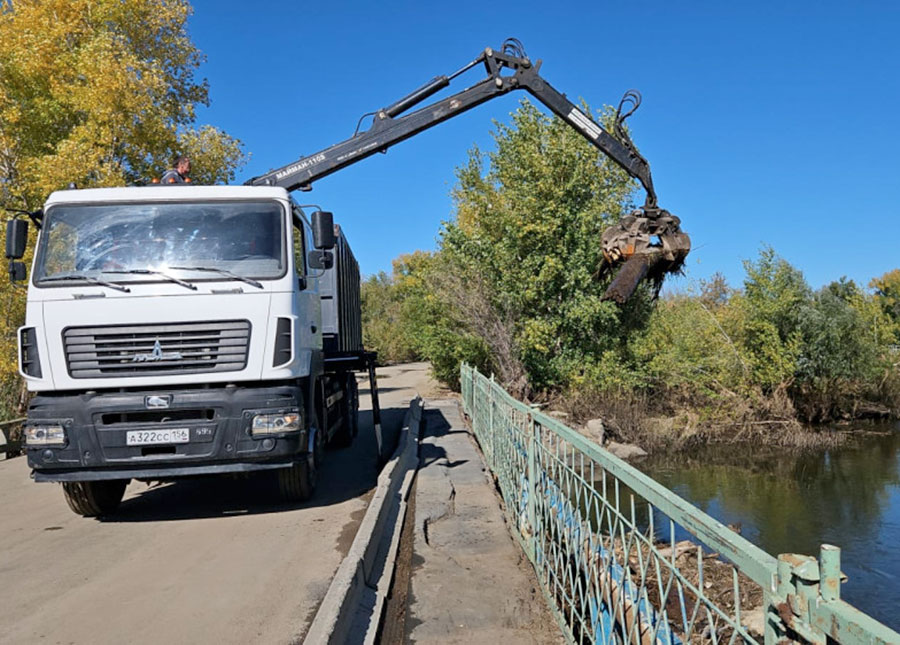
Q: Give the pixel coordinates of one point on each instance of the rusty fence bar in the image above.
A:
(622, 559)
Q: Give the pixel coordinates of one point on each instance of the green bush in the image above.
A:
(515, 289)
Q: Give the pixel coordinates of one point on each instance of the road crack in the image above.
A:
(449, 509)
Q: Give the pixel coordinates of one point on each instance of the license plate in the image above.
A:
(154, 437)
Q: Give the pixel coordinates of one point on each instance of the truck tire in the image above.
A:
(349, 427)
(90, 499)
(298, 483)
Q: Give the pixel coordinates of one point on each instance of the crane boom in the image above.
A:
(507, 70)
(389, 128)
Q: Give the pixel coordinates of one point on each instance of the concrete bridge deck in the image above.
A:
(470, 581)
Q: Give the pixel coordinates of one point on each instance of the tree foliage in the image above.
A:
(99, 93)
(392, 307)
(764, 317)
(887, 290)
(685, 348)
(520, 260)
(827, 350)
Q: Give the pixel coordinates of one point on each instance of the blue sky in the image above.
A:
(764, 122)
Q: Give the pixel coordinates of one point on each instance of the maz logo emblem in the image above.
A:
(156, 355)
(157, 401)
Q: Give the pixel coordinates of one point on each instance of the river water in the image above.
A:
(785, 503)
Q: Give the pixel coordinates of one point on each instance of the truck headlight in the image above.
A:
(275, 423)
(51, 434)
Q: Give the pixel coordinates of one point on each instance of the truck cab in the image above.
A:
(174, 331)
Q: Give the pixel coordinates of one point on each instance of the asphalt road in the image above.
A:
(212, 560)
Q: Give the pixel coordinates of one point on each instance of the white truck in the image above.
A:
(185, 330)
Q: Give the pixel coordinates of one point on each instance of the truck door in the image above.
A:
(307, 305)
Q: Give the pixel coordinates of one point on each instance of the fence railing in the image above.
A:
(9, 444)
(622, 559)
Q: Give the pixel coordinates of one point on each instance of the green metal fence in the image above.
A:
(622, 559)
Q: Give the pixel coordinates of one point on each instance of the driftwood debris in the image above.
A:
(635, 269)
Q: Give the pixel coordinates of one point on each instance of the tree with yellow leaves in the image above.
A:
(99, 93)
(887, 293)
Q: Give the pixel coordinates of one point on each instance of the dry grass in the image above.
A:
(676, 422)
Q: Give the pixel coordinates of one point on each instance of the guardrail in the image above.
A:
(9, 447)
(622, 559)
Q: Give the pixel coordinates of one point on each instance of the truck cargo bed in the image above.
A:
(339, 291)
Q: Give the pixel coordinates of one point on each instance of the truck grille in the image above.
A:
(144, 350)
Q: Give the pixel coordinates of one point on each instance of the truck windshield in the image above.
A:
(138, 242)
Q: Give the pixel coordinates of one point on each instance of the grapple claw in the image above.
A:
(649, 243)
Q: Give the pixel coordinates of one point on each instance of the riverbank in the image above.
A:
(666, 425)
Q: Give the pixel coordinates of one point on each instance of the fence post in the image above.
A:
(465, 380)
(492, 462)
(830, 568)
(468, 393)
(470, 389)
(531, 483)
(482, 400)
(462, 385)
(797, 590)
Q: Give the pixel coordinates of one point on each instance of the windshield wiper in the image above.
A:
(225, 272)
(86, 278)
(170, 278)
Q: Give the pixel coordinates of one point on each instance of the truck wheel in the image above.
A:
(298, 482)
(349, 427)
(91, 499)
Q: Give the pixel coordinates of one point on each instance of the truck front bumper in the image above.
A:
(216, 420)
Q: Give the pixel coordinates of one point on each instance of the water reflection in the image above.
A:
(787, 503)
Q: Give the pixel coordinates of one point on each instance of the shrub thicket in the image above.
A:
(514, 289)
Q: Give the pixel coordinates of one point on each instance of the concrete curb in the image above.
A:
(352, 607)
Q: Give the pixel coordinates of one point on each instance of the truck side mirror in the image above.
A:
(320, 259)
(16, 271)
(16, 238)
(323, 230)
